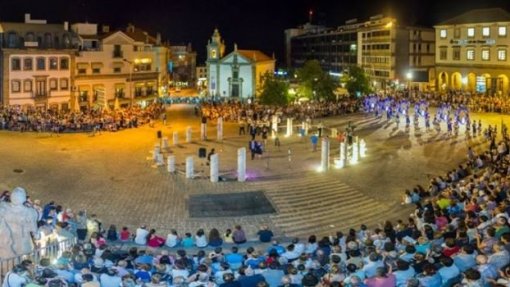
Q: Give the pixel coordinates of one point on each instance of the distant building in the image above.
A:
(128, 66)
(472, 52)
(292, 33)
(201, 73)
(388, 52)
(183, 64)
(36, 64)
(239, 73)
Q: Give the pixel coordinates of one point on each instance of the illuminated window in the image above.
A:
(502, 31)
(501, 55)
(470, 54)
(53, 63)
(486, 54)
(471, 32)
(486, 31)
(442, 33)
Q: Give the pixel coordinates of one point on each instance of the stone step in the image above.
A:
(332, 200)
(317, 196)
(298, 192)
(306, 214)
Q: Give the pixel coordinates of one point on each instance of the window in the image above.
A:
(456, 54)
(117, 51)
(442, 34)
(64, 84)
(96, 70)
(27, 85)
(486, 54)
(53, 85)
(15, 64)
(443, 53)
(53, 63)
(64, 63)
(502, 55)
(82, 71)
(456, 33)
(28, 64)
(41, 64)
(502, 31)
(470, 54)
(471, 32)
(12, 40)
(116, 70)
(15, 86)
(486, 31)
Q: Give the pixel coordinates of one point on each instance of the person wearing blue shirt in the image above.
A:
(278, 248)
(234, 259)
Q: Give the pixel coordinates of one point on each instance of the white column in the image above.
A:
(325, 154)
(189, 167)
(188, 134)
(165, 143)
(219, 130)
(160, 160)
(354, 156)
(156, 151)
(334, 133)
(274, 126)
(241, 164)
(342, 151)
(362, 148)
(289, 127)
(203, 131)
(356, 143)
(214, 168)
(175, 138)
(171, 163)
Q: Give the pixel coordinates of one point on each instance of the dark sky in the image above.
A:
(252, 24)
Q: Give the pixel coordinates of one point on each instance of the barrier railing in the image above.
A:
(51, 251)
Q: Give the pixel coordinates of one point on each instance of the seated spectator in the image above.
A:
(172, 239)
(200, 239)
(188, 241)
(112, 233)
(228, 237)
(141, 235)
(429, 276)
(125, 234)
(265, 235)
(215, 238)
(234, 259)
(239, 237)
(381, 279)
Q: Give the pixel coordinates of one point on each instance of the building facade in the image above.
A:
(119, 67)
(472, 52)
(238, 74)
(183, 66)
(36, 61)
(390, 53)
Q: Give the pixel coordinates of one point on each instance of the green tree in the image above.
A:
(314, 83)
(357, 81)
(274, 91)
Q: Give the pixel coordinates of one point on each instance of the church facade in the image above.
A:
(237, 74)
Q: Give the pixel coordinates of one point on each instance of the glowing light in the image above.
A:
(389, 25)
(409, 75)
(319, 169)
(464, 80)
(339, 164)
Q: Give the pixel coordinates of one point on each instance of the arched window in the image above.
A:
(29, 37)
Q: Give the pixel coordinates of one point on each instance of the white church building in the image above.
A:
(239, 73)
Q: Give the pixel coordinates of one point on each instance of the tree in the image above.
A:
(314, 83)
(274, 91)
(356, 81)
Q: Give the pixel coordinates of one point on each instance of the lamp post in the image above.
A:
(130, 80)
(409, 77)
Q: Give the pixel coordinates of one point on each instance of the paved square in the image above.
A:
(229, 204)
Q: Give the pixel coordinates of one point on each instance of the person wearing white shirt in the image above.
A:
(200, 239)
(172, 239)
(141, 235)
(15, 277)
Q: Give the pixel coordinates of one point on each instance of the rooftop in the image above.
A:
(487, 15)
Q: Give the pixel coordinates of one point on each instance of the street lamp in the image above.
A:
(130, 80)
(409, 77)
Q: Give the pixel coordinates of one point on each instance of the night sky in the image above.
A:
(252, 24)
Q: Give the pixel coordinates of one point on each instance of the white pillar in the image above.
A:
(325, 154)
(165, 143)
(362, 148)
(274, 126)
(354, 156)
(203, 131)
(171, 163)
(189, 167)
(175, 138)
(241, 164)
(214, 168)
(289, 127)
(160, 160)
(156, 151)
(342, 151)
(334, 133)
(188, 134)
(219, 130)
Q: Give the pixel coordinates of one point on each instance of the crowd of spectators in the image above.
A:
(36, 120)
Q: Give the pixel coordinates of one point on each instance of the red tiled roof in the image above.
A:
(254, 55)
